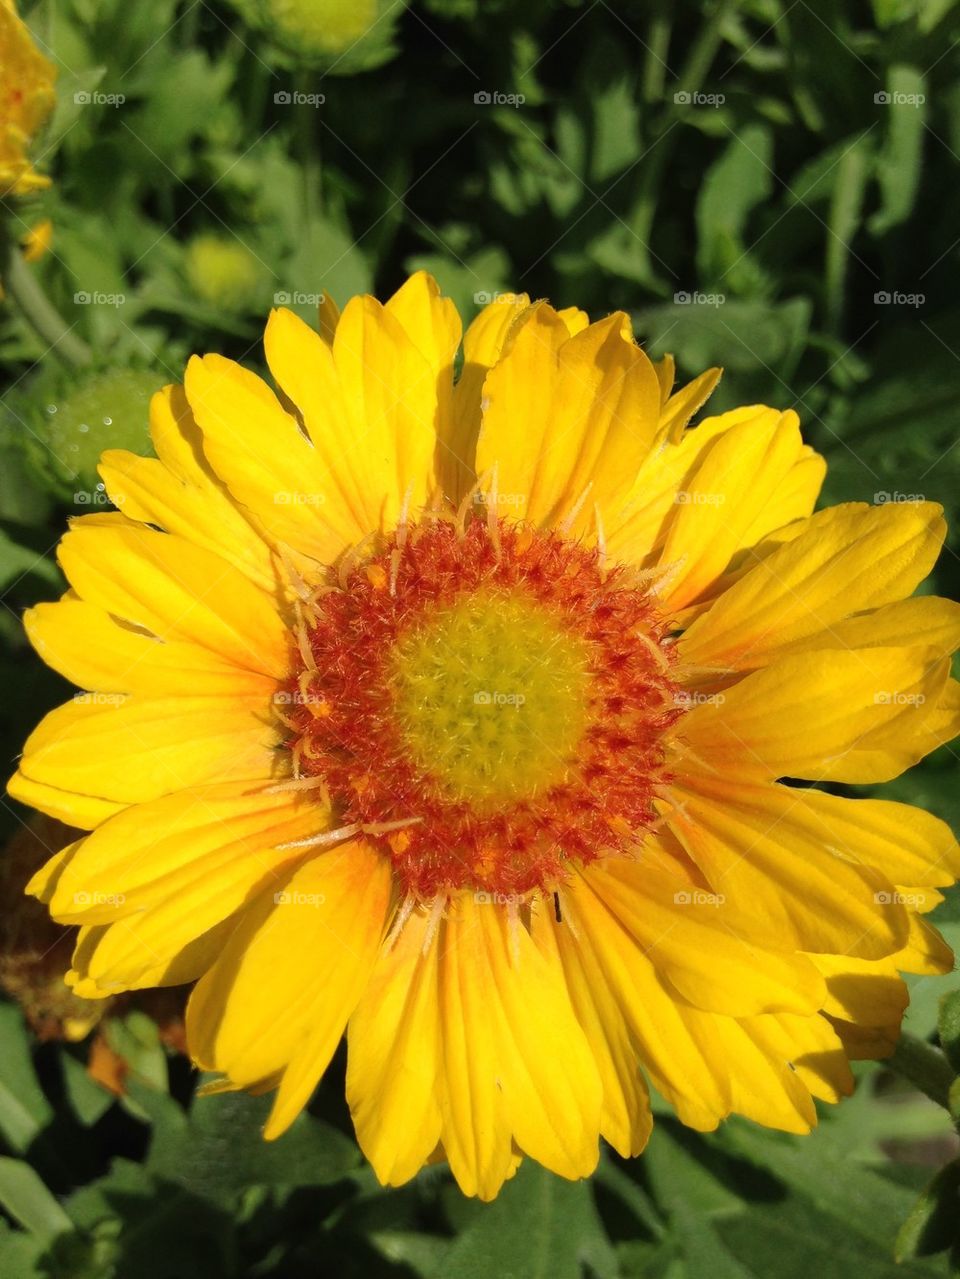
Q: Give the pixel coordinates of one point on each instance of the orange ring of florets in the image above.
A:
(338, 707)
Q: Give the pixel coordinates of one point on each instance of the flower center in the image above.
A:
(491, 697)
(488, 705)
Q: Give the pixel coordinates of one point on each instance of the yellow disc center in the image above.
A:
(492, 695)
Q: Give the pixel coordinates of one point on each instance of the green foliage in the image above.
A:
(763, 185)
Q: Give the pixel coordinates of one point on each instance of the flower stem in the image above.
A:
(923, 1066)
(46, 320)
(308, 145)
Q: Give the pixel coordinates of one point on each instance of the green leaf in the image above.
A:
(683, 1168)
(789, 1239)
(898, 165)
(867, 1204)
(21, 1255)
(24, 1110)
(88, 1100)
(539, 1227)
(221, 1151)
(20, 561)
(740, 336)
(852, 176)
(934, 1223)
(735, 184)
(328, 260)
(702, 1247)
(161, 1231)
(948, 1027)
(29, 1202)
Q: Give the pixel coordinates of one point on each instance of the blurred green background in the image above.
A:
(770, 186)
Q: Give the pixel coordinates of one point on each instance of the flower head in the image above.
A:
(224, 272)
(26, 99)
(457, 714)
(338, 36)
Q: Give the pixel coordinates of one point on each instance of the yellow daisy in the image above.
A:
(26, 99)
(455, 713)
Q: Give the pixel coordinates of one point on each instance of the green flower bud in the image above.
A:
(69, 430)
(224, 273)
(337, 35)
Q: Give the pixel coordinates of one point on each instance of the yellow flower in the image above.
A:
(26, 99)
(456, 715)
(36, 242)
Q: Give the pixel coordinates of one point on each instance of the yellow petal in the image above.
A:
(925, 619)
(625, 1119)
(89, 648)
(739, 493)
(855, 717)
(636, 533)
(811, 1048)
(767, 849)
(198, 853)
(482, 343)
(258, 450)
(393, 1057)
(701, 943)
(86, 812)
(589, 407)
(328, 317)
(904, 843)
(925, 952)
(290, 975)
(680, 407)
(514, 1057)
(677, 1044)
(390, 393)
(666, 371)
(112, 958)
(132, 750)
(431, 323)
(180, 493)
(847, 559)
(176, 590)
(864, 991)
